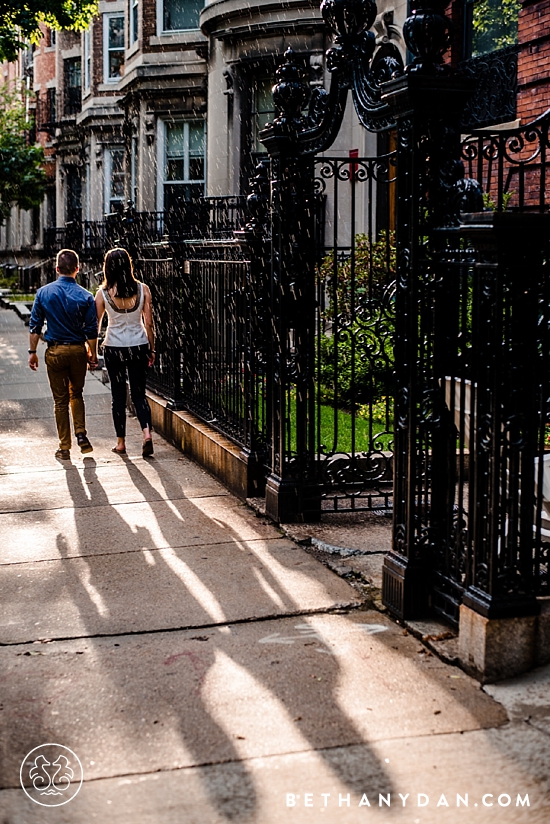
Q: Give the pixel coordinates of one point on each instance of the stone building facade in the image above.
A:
(161, 101)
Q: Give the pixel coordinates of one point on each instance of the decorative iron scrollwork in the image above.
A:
(427, 33)
(355, 63)
(495, 97)
(351, 59)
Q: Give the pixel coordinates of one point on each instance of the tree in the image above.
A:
(494, 24)
(22, 175)
(20, 19)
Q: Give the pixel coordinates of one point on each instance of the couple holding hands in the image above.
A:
(73, 318)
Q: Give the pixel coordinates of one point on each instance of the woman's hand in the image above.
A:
(150, 358)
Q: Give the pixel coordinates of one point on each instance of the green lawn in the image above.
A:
(336, 431)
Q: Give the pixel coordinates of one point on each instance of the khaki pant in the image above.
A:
(66, 366)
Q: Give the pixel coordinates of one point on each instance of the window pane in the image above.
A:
(175, 139)
(134, 22)
(264, 109)
(73, 73)
(196, 168)
(182, 14)
(264, 95)
(116, 63)
(174, 169)
(117, 160)
(116, 182)
(116, 32)
(196, 139)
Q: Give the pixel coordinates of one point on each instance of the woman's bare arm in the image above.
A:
(99, 307)
(148, 321)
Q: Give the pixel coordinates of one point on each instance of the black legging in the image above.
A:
(132, 361)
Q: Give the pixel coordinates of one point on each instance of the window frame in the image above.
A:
(133, 23)
(109, 15)
(87, 59)
(161, 17)
(134, 169)
(108, 176)
(162, 125)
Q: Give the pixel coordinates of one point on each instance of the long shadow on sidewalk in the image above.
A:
(205, 739)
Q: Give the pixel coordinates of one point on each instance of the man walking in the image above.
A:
(70, 314)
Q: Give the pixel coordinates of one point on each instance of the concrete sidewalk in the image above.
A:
(205, 668)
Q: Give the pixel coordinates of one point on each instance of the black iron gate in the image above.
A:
(355, 330)
(409, 340)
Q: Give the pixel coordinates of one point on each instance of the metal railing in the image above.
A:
(210, 218)
(511, 166)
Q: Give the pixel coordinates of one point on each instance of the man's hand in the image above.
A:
(91, 351)
(92, 362)
(33, 362)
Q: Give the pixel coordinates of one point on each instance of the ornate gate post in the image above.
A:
(292, 492)
(427, 103)
(292, 140)
(255, 240)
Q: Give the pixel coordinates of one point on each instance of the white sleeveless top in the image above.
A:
(125, 327)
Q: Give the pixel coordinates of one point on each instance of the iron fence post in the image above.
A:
(292, 490)
(255, 240)
(427, 103)
(511, 249)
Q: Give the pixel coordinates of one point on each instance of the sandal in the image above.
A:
(147, 449)
(118, 451)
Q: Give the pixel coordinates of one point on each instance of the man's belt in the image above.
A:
(65, 343)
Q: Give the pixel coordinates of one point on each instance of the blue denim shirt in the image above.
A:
(68, 309)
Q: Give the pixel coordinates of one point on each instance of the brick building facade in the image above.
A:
(533, 59)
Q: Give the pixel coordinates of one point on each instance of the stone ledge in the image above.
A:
(206, 446)
(493, 649)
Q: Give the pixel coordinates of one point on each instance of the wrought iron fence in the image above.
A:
(482, 471)
(159, 273)
(495, 96)
(211, 218)
(473, 387)
(354, 341)
(209, 358)
(224, 381)
(511, 166)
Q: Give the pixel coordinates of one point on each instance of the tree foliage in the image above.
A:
(495, 25)
(22, 176)
(356, 360)
(20, 19)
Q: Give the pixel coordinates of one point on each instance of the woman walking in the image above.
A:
(129, 346)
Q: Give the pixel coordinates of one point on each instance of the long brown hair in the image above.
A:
(118, 274)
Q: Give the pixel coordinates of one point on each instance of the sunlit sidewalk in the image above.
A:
(203, 667)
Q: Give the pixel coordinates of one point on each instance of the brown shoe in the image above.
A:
(84, 444)
(63, 455)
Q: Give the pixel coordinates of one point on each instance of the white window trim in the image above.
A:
(88, 192)
(134, 149)
(161, 158)
(87, 59)
(107, 174)
(132, 5)
(161, 143)
(160, 22)
(106, 17)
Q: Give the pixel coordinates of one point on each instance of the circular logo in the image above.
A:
(51, 775)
